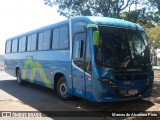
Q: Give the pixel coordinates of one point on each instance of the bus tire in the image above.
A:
(62, 89)
(19, 79)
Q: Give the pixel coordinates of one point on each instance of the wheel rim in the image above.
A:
(63, 89)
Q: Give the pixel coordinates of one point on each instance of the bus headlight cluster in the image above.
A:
(108, 81)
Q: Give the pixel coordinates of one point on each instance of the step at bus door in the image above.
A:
(78, 64)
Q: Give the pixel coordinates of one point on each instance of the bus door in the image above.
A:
(78, 73)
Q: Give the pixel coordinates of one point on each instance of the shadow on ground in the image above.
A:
(44, 99)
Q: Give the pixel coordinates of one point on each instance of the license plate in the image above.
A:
(132, 92)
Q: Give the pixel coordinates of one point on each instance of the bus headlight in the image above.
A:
(108, 81)
(103, 79)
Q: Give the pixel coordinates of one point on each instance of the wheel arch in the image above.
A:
(57, 76)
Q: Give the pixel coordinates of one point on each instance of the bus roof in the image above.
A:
(111, 22)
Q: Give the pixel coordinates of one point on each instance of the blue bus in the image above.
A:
(99, 59)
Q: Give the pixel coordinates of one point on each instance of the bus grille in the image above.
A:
(132, 77)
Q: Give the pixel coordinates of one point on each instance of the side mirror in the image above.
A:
(96, 37)
(95, 33)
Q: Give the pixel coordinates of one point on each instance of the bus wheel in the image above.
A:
(19, 79)
(62, 89)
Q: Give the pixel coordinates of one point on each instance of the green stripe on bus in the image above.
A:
(35, 67)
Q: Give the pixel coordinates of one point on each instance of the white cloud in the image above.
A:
(19, 16)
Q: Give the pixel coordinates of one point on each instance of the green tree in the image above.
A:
(108, 8)
(147, 15)
(154, 36)
(155, 4)
(142, 17)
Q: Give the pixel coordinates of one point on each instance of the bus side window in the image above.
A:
(60, 39)
(46, 40)
(55, 38)
(78, 49)
(40, 41)
(34, 42)
(78, 46)
(14, 45)
(22, 44)
(63, 42)
(29, 43)
(8, 46)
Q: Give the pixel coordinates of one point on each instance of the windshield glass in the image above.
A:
(122, 48)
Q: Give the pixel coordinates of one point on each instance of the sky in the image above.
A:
(19, 16)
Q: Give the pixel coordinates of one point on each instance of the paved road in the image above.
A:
(30, 98)
(35, 98)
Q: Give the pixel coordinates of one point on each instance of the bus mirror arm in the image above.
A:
(92, 26)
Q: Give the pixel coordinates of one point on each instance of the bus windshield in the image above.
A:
(122, 48)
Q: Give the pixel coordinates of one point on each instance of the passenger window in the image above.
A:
(55, 38)
(60, 39)
(40, 41)
(63, 43)
(46, 41)
(8, 46)
(22, 44)
(14, 45)
(29, 43)
(34, 42)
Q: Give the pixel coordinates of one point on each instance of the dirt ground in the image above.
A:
(155, 99)
(157, 74)
(151, 105)
(156, 92)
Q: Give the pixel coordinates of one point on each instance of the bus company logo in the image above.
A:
(6, 114)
